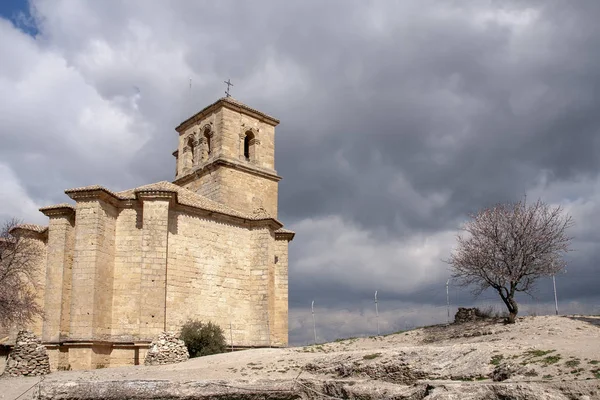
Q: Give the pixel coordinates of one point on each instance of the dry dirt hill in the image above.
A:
(537, 358)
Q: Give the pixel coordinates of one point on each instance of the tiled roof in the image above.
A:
(240, 104)
(185, 197)
(55, 206)
(90, 188)
(285, 234)
(229, 100)
(283, 230)
(31, 227)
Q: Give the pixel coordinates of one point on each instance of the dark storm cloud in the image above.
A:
(397, 118)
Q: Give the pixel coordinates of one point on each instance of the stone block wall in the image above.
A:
(240, 190)
(154, 249)
(279, 292)
(209, 273)
(59, 262)
(243, 189)
(235, 124)
(104, 275)
(128, 272)
(91, 294)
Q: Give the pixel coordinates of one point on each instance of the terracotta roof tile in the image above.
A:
(283, 230)
(55, 206)
(31, 227)
(184, 197)
(232, 101)
(89, 188)
(188, 198)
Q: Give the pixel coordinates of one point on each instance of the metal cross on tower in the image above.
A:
(228, 84)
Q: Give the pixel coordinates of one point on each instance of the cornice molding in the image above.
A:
(99, 193)
(165, 195)
(230, 163)
(58, 210)
(289, 236)
(231, 104)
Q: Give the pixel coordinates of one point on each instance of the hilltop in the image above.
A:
(546, 357)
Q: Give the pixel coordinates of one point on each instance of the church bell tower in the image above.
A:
(226, 153)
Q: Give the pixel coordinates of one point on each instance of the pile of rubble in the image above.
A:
(466, 315)
(166, 349)
(28, 357)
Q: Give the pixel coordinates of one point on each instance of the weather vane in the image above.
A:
(228, 84)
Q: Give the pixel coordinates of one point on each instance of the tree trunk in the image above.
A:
(513, 310)
(511, 305)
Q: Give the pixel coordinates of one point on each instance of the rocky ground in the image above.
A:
(537, 358)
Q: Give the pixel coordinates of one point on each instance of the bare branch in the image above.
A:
(509, 247)
(18, 267)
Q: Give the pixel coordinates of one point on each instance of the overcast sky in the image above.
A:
(397, 120)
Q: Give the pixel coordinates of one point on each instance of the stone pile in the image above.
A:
(166, 349)
(466, 315)
(28, 357)
(505, 371)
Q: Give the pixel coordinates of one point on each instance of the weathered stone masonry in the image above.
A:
(119, 268)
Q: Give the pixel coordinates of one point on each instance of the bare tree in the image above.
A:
(18, 268)
(508, 247)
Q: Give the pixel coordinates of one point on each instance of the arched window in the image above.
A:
(249, 145)
(207, 136)
(190, 144)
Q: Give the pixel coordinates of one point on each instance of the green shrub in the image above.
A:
(203, 339)
(496, 359)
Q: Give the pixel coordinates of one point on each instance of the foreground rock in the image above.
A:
(536, 358)
(166, 349)
(315, 389)
(28, 357)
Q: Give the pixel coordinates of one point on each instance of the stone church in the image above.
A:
(121, 267)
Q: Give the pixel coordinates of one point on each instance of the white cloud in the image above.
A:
(55, 124)
(14, 200)
(338, 250)
(94, 97)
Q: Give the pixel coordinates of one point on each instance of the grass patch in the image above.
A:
(343, 340)
(551, 360)
(538, 353)
(594, 362)
(547, 377)
(496, 359)
(572, 363)
(371, 356)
